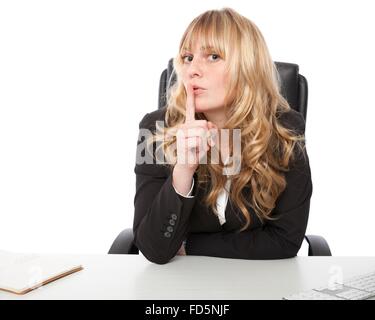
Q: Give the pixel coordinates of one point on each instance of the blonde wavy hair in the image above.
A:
(253, 104)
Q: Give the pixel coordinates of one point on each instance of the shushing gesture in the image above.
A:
(194, 137)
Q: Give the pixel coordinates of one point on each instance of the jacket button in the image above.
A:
(172, 222)
(167, 234)
(170, 229)
(174, 216)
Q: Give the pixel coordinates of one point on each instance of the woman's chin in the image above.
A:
(202, 109)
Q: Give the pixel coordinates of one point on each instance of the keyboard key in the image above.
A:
(354, 294)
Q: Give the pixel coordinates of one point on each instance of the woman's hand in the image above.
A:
(181, 251)
(194, 137)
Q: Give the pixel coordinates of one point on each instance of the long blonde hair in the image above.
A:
(253, 104)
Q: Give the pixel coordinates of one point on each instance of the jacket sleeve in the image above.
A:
(276, 239)
(161, 215)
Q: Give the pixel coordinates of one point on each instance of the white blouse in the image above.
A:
(222, 201)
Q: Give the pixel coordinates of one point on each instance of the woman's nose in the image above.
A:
(195, 68)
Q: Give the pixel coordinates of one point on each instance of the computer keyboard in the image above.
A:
(361, 287)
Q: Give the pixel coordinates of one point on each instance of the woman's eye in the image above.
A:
(215, 55)
(183, 58)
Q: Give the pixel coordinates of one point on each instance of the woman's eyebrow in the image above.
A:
(203, 48)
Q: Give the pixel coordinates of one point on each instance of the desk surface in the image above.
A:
(196, 278)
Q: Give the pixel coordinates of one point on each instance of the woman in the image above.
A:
(226, 82)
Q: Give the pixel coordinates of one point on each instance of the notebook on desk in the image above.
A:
(21, 273)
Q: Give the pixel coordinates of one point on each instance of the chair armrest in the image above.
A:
(318, 246)
(124, 243)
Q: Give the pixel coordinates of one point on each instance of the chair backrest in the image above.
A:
(293, 85)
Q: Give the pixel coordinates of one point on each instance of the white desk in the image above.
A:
(195, 278)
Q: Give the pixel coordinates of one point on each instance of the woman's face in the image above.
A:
(206, 69)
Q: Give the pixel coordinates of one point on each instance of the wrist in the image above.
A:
(182, 180)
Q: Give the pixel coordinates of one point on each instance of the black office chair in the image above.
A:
(294, 89)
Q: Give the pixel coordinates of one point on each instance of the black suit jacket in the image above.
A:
(163, 219)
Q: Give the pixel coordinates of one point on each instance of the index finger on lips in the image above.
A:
(190, 104)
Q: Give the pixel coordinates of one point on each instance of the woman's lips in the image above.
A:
(199, 91)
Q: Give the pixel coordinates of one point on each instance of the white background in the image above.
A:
(76, 77)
